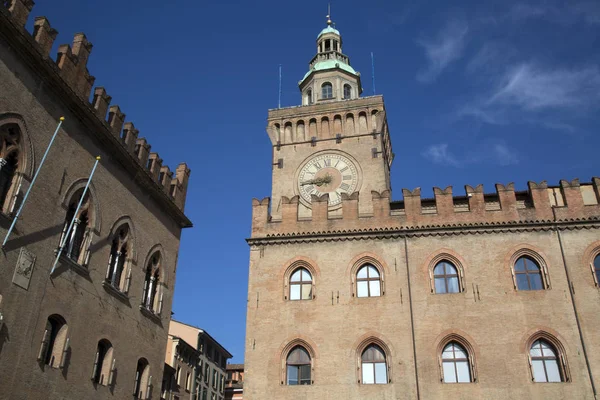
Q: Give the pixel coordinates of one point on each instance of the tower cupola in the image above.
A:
(330, 76)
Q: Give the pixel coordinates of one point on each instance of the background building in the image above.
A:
(355, 296)
(234, 384)
(181, 370)
(209, 382)
(96, 327)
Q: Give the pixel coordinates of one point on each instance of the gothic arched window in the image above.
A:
(368, 281)
(77, 241)
(150, 300)
(301, 285)
(326, 91)
(455, 364)
(445, 277)
(374, 365)
(298, 367)
(119, 253)
(142, 373)
(10, 149)
(102, 372)
(528, 274)
(545, 362)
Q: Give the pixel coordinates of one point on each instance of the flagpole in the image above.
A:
(68, 231)
(37, 172)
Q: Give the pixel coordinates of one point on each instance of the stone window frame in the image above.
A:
(25, 166)
(561, 357)
(536, 255)
(362, 346)
(360, 261)
(589, 256)
(329, 93)
(451, 257)
(291, 267)
(285, 351)
(466, 345)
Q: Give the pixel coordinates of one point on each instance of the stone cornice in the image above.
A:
(425, 231)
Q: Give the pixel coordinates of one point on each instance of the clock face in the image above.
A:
(328, 173)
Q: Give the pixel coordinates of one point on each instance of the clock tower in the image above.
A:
(335, 143)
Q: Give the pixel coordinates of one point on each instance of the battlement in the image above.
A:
(71, 65)
(571, 200)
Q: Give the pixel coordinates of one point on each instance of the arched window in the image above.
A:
(597, 267)
(142, 382)
(445, 276)
(347, 91)
(76, 242)
(309, 96)
(104, 364)
(455, 364)
(301, 285)
(119, 252)
(368, 281)
(528, 274)
(10, 147)
(298, 367)
(55, 344)
(150, 300)
(326, 91)
(374, 365)
(545, 362)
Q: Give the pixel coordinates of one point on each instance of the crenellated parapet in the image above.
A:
(569, 201)
(71, 67)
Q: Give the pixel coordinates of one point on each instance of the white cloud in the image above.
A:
(439, 154)
(504, 155)
(533, 88)
(565, 13)
(442, 50)
(495, 153)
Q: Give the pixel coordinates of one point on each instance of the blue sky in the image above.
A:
(475, 93)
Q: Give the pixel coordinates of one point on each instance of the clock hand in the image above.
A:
(318, 181)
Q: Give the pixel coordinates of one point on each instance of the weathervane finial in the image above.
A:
(329, 14)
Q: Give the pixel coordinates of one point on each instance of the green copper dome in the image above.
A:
(329, 29)
(329, 64)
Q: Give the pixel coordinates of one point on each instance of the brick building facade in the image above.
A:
(95, 328)
(352, 295)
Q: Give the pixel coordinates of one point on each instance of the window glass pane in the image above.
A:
(450, 269)
(380, 373)
(536, 281)
(362, 273)
(598, 274)
(552, 370)
(439, 269)
(296, 276)
(373, 273)
(597, 262)
(362, 289)
(292, 375)
(449, 374)
(295, 292)
(520, 264)
(453, 285)
(459, 352)
(522, 283)
(305, 375)
(306, 291)
(464, 375)
(368, 375)
(531, 264)
(447, 353)
(538, 371)
(306, 275)
(440, 285)
(535, 351)
(375, 288)
(547, 350)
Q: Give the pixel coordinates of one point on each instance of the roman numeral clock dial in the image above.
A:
(328, 173)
